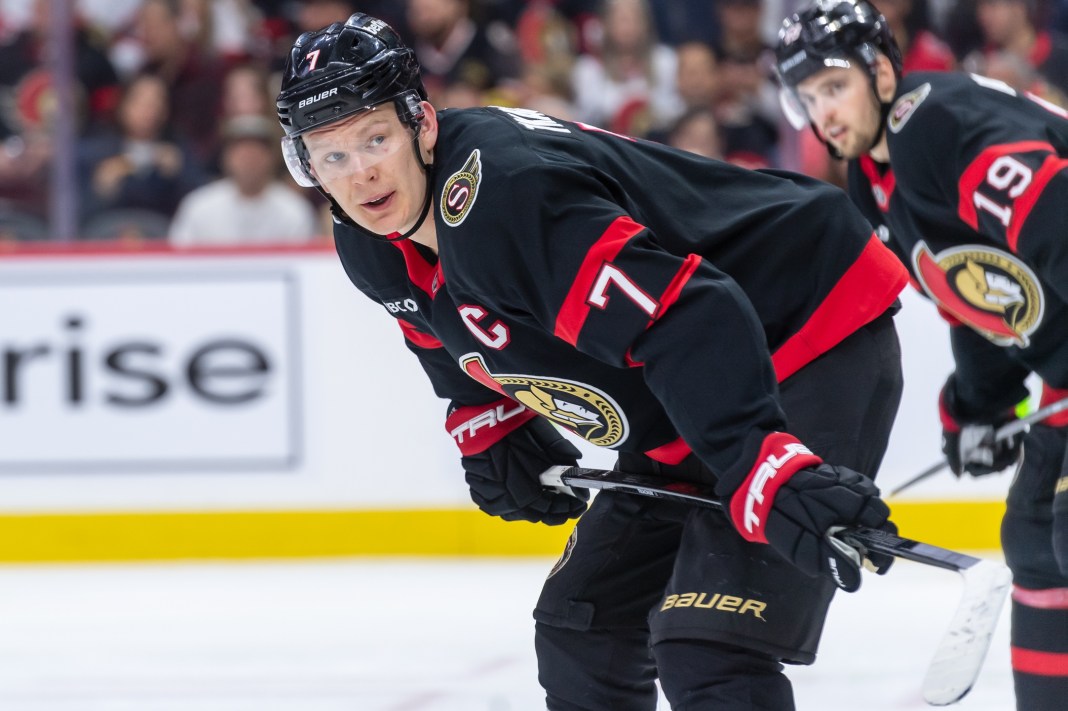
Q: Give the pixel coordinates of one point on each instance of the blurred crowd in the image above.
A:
(176, 137)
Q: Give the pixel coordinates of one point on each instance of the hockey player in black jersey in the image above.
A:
(708, 323)
(967, 182)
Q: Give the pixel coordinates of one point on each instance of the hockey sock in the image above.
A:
(1040, 648)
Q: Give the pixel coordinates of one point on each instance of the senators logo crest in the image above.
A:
(461, 189)
(988, 290)
(586, 411)
(905, 106)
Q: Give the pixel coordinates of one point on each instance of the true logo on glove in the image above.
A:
(780, 457)
(765, 473)
(475, 428)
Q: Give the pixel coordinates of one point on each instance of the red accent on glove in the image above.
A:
(949, 424)
(476, 428)
(1050, 396)
(781, 456)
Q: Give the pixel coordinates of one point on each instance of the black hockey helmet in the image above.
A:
(339, 71)
(826, 34)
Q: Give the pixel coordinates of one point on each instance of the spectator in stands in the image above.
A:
(628, 86)
(25, 74)
(1011, 25)
(28, 101)
(697, 131)
(139, 163)
(697, 76)
(747, 104)
(316, 14)
(960, 28)
(460, 59)
(547, 42)
(246, 91)
(682, 21)
(191, 71)
(701, 89)
(249, 205)
(1017, 73)
(227, 28)
(921, 49)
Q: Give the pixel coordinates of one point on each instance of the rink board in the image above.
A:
(164, 404)
(222, 535)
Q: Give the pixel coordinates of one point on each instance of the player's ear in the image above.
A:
(885, 78)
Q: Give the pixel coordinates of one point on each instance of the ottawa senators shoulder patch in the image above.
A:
(461, 189)
(905, 106)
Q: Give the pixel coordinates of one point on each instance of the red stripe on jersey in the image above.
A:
(671, 453)
(1050, 396)
(1050, 599)
(865, 291)
(882, 185)
(671, 294)
(417, 337)
(420, 271)
(576, 309)
(1029, 661)
(975, 175)
(1024, 204)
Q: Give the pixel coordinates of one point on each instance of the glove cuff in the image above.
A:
(781, 456)
(476, 428)
(949, 422)
(1050, 396)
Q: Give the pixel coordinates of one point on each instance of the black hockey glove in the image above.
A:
(794, 502)
(505, 448)
(969, 442)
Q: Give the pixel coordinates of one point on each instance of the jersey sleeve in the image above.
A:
(988, 380)
(594, 276)
(999, 162)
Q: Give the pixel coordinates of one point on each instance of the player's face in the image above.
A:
(843, 107)
(368, 166)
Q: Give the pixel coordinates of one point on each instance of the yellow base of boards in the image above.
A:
(960, 525)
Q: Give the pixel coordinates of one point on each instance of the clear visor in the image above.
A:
(793, 107)
(343, 149)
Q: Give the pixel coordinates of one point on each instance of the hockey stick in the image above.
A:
(1003, 432)
(960, 654)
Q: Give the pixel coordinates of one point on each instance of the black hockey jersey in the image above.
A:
(976, 205)
(645, 298)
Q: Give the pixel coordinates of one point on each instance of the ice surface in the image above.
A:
(391, 635)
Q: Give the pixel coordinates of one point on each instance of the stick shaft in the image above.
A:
(870, 538)
(1003, 432)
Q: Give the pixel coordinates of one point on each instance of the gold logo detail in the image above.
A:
(991, 291)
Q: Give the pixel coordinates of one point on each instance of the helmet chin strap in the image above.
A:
(428, 170)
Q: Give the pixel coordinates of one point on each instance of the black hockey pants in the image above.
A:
(653, 589)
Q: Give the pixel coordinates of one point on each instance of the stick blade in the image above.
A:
(963, 648)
